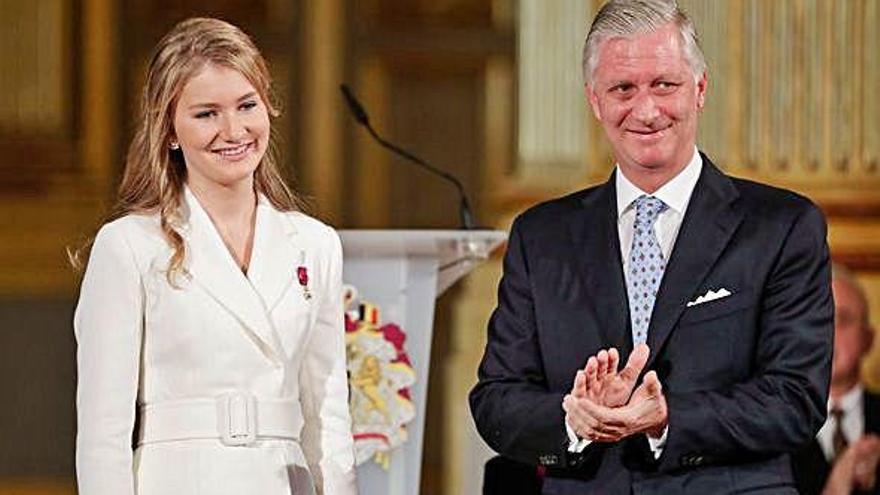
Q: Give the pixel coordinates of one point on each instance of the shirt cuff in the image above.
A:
(656, 444)
(577, 445)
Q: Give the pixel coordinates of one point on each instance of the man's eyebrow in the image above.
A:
(620, 82)
(669, 76)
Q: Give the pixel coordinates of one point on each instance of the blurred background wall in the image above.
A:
(488, 89)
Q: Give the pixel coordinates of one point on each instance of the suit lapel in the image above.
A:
(276, 256)
(213, 268)
(709, 223)
(597, 242)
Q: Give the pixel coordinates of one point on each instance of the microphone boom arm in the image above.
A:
(360, 115)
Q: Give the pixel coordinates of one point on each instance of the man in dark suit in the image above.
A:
(844, 456)
(714, 292)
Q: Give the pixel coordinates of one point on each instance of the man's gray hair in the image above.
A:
(625, 18)
(843, 274)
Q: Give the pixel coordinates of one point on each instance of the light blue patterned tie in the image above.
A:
(646, 266)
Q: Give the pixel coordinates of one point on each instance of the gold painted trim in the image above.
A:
(372, 173)
(98, 124)
(322, 64)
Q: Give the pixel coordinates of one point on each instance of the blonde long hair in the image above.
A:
(154, 174)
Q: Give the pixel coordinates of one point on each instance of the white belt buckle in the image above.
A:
(237, 419)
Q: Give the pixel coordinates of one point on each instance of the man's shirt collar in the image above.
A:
(676, 193)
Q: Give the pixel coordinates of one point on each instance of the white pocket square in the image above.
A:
(711, 295)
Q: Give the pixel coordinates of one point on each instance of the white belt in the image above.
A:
(237, 419)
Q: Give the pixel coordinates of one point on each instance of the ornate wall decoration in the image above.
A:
(380, 375)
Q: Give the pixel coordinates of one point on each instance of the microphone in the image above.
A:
(360, 115)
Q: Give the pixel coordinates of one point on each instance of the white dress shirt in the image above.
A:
(676, 194)
(853, 427)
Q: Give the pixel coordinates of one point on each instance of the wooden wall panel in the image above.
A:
(37, 79)
(39, 46)
(449, 136)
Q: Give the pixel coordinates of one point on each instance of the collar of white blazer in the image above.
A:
(275, 257)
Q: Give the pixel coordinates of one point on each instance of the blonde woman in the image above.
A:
(210, 313)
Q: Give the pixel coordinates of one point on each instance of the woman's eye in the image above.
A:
(205, 114)
(248, 105)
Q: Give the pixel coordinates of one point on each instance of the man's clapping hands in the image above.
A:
(602, 405)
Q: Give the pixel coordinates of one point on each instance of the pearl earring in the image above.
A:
(174, 145)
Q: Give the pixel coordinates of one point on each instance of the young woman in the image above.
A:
(210, 313)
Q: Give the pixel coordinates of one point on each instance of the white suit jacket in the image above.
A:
(142, 341)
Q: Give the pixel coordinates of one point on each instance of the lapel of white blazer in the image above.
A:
(211, 266)
(276, 255)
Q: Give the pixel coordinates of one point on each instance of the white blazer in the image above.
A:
(144, 345)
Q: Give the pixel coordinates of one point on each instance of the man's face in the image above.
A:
(644, 93)
(852, 336)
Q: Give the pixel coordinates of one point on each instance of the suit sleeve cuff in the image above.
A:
(576, 445)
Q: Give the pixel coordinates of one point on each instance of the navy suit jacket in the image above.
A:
(811, 469)
(746, 377)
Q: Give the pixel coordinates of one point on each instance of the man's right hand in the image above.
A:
(601, 384)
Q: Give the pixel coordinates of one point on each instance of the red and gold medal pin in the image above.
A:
(302, 274)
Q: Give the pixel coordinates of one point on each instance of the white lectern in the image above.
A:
(403, 272)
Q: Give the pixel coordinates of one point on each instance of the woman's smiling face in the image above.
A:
(222, 126)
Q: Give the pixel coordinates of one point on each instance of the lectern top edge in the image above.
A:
(442, 244)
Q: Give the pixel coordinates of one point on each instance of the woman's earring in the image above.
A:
(174, 145)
